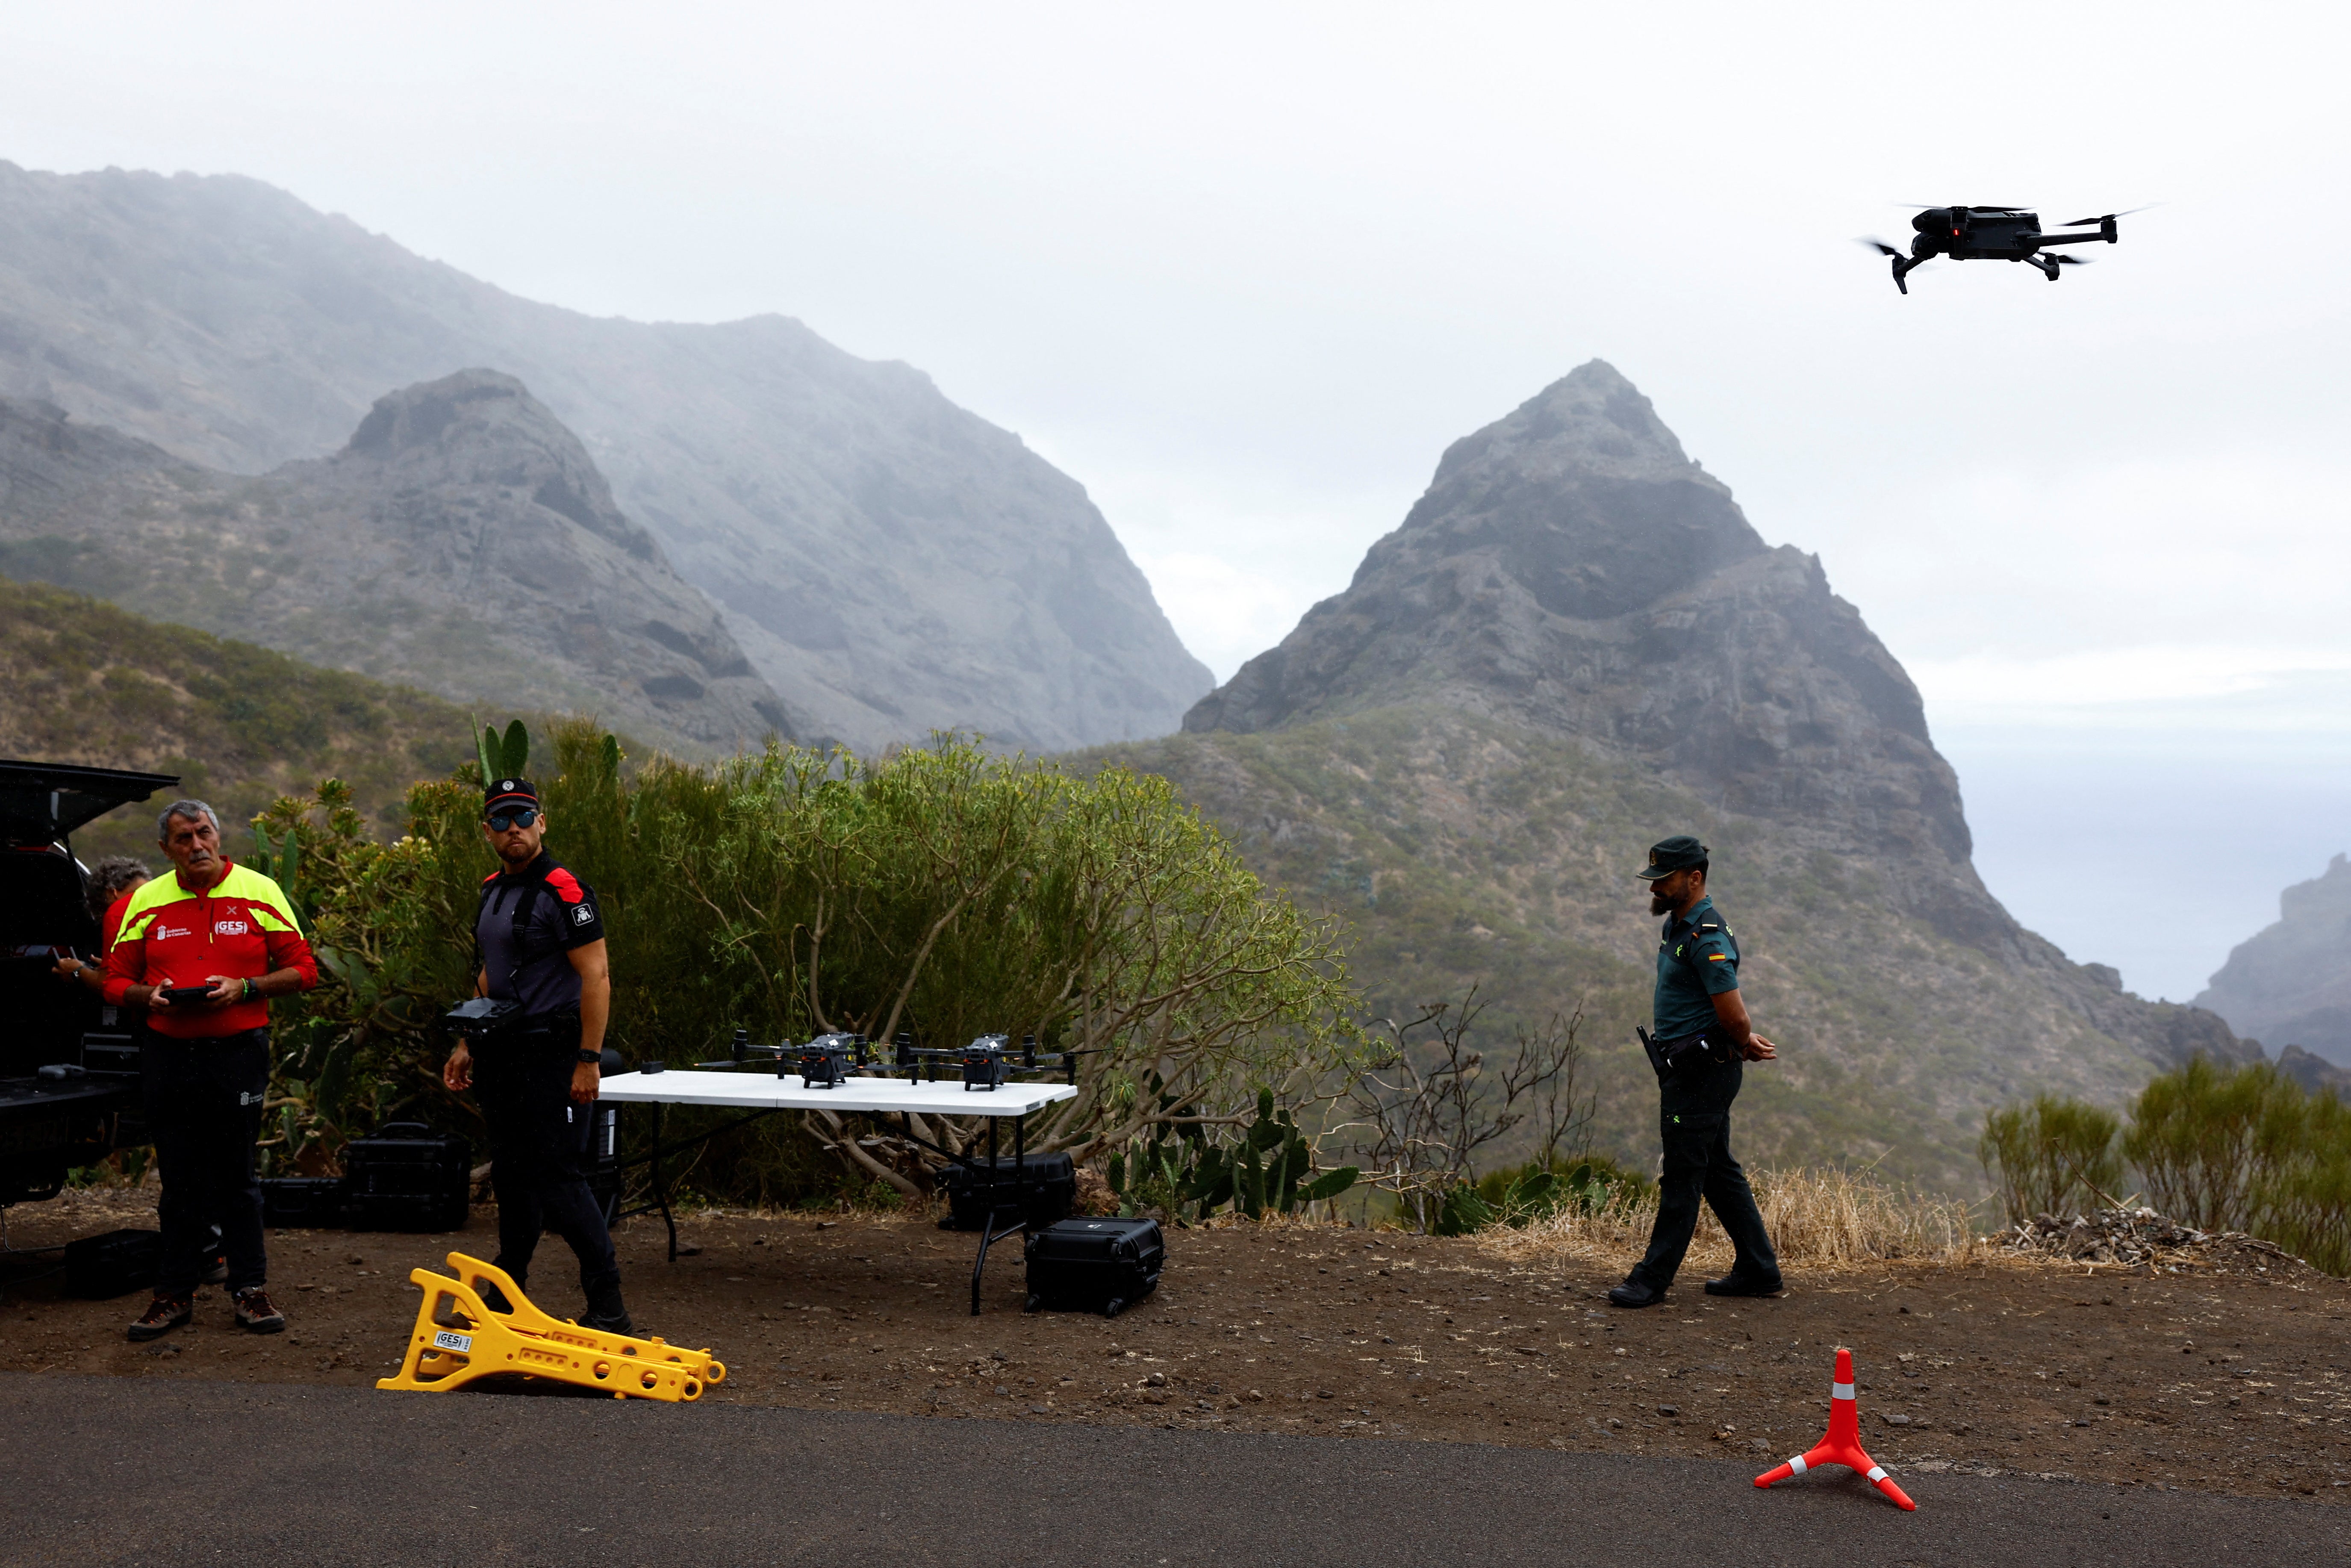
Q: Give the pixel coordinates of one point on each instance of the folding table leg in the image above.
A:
(661, 1187)
(988, 1234)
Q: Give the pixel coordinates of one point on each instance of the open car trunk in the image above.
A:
(68, 1115)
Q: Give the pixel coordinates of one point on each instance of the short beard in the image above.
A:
(1660, 904)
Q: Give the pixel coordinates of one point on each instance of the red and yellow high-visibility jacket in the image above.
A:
(240, 926)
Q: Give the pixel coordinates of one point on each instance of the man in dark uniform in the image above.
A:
(542, 943)
(1703, 1037)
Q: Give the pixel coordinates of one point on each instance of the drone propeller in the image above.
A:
(2071, 260)
(1871, 242)
(2110, 217)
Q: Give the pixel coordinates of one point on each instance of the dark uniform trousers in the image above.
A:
(539, 1152)
(1694, 1121)
(202, 1100)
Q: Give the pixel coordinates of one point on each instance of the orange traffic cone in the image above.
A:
(1843, 1444)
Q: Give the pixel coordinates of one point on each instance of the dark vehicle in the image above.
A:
(68, 1072)
(1992, 234)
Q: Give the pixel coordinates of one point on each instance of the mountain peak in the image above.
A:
(1570, 569)
(482, 427)
(1591, 420)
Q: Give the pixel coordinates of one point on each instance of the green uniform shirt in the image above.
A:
(1698, 959)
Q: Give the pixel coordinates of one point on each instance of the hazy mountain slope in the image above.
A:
(2290, 984)
(1574, 645)
(462, 541)
(88, 683)
(891, 562)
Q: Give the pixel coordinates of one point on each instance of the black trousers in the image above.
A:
(204, 1103)
(539, 1154)
(1694, 1118)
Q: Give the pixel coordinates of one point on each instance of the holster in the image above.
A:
(1670, 1056)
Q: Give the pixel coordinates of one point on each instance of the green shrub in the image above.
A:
(1535, 1191)
(2246, 1148)
(940, 892)
(2205, 1139)
(2050, 1156)
(1198, 1165)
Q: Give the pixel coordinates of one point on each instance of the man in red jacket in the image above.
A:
(203, 950)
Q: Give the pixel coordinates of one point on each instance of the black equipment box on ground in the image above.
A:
(994, 1191)
(314, 1203)
(113, 1264)
(1095, 1265)
(407, 1178)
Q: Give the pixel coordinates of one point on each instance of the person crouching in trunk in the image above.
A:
(541, 938)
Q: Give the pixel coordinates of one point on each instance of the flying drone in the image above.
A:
(1992, 234)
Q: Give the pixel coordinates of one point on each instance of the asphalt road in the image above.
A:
(156, 1471)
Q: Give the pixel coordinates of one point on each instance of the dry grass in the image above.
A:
(1818, 1218)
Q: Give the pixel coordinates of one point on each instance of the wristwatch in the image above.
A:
(591, 1058)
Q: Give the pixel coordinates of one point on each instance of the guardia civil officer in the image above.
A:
(542, 943)
(1702, 1039)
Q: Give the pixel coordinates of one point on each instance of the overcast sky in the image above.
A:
(1245, 270)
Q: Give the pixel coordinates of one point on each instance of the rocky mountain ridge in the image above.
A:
(461, 541)
(2290, 983)
(1574, 644)
(890, 563)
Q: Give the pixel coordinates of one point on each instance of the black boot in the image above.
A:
(1738, 1285)
(1634, 1293)
(606, 1312)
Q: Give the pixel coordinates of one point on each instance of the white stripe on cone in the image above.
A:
(1877, 1473)
(1796, 1465)
(1841, 1390)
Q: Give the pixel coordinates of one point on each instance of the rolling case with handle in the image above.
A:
(1095, 1265)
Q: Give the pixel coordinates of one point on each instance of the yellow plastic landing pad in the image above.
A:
(457, 1339)
(530, 1320)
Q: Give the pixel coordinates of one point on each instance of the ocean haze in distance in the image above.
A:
(1245, 272)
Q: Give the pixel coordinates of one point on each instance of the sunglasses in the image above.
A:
(523, 817)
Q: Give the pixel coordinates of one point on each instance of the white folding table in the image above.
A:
(763, 1093)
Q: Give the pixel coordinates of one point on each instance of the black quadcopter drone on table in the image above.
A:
(1991, 233)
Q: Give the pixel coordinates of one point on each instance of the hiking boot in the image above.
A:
(1738, 1285)
(163, 1314)
(255, 1313)
(1633, 1293)
(605, 1313)
(215, 1273)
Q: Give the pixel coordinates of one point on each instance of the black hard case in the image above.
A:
(407, 1178)
(1095, 1265)
(975, 1195)
(113, 1264)
(298, 1202)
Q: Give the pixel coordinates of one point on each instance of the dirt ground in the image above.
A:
(2233, 1381)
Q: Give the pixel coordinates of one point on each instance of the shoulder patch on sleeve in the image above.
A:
(492, 877)
(566, 885)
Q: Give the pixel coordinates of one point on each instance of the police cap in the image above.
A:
(508, 793)
(1668, 856)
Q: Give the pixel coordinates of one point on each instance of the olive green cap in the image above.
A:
(1668, 856)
